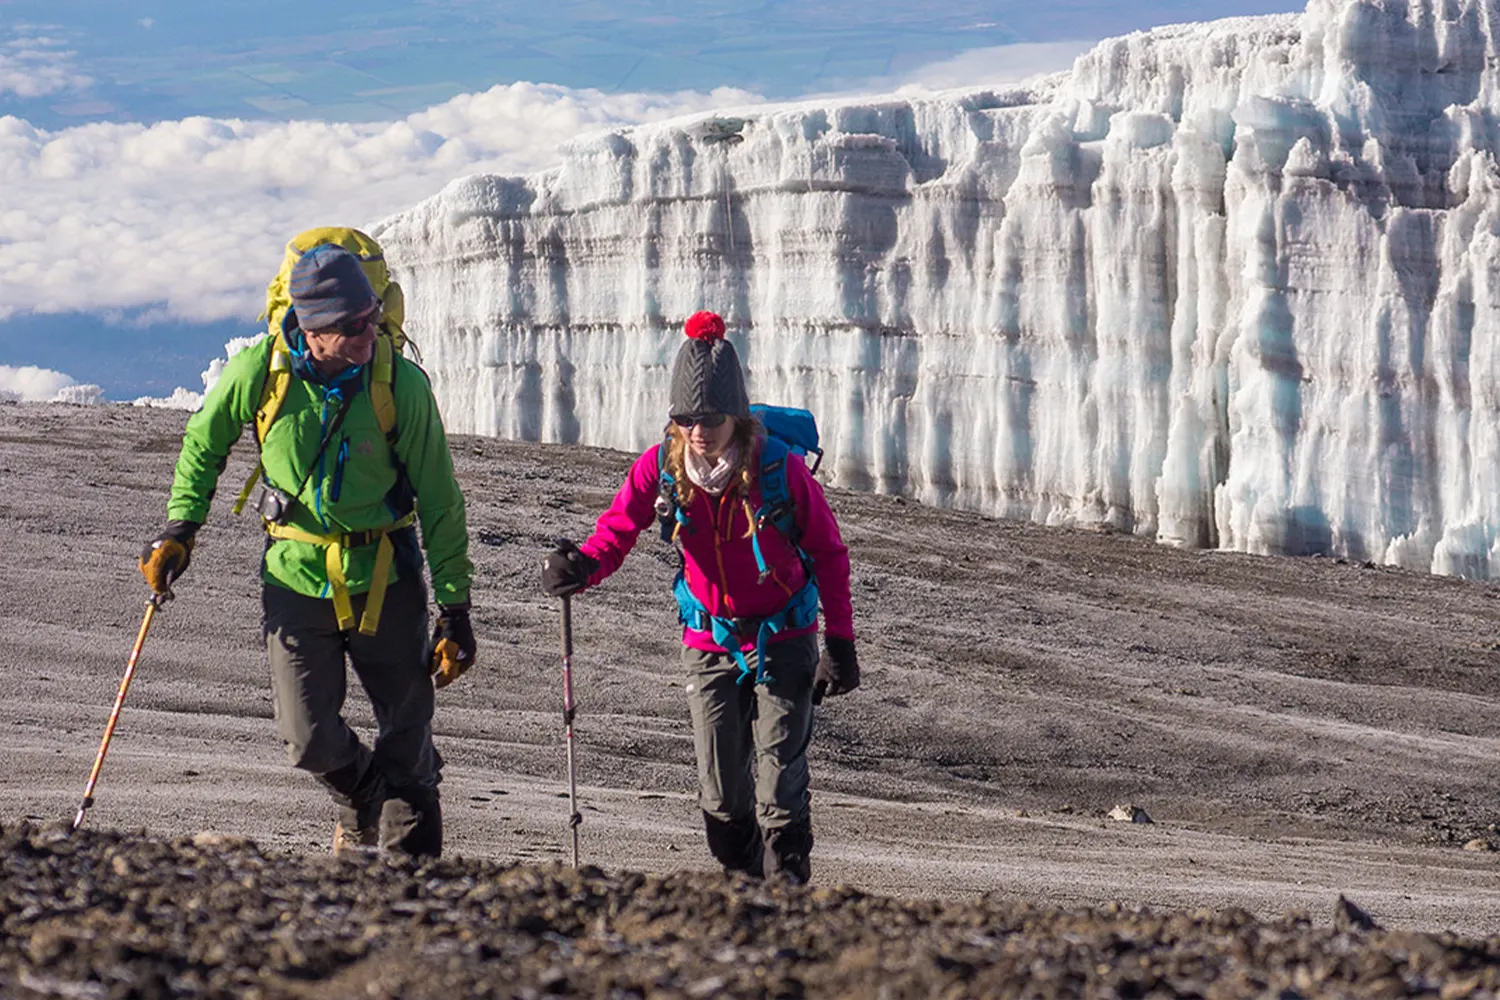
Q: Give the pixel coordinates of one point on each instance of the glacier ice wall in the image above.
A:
(1234, 284)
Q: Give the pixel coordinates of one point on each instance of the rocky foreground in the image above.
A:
(110, 915)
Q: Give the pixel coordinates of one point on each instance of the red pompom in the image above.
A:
(705, 326)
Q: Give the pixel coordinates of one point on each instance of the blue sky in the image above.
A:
(153, 127)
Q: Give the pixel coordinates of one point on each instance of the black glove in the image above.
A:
(566, 570)
(838, 669)
(164, 558)
(451, 650)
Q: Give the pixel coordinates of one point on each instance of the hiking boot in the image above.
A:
(352, 839)
(411, 822)
(359, 796)
(788, 850)
(736, 844)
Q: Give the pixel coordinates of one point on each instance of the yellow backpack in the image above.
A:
(391, 341)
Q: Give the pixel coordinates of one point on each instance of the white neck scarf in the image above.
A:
(712, 477)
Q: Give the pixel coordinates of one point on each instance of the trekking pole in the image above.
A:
(153, 604)
(570, 707)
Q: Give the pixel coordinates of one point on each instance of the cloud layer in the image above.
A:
(991, 66)
(41, 385)
(33, 64)
(183, 220)
(189, 217)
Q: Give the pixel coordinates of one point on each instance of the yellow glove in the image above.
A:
(165, 557)
(452, 644)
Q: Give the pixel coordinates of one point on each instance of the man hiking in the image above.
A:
(342, 572)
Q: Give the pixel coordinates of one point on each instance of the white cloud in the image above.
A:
(185, 220)
(192, 215)
(33, 65)
(988, 67)
(42, 385)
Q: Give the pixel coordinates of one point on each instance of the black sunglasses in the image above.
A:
(359, 325)
(705, 419)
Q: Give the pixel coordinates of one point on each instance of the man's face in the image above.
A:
(350, 343)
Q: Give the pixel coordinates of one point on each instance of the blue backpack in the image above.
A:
(788, 431)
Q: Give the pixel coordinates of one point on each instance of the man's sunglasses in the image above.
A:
(703, 419)
(360, 325)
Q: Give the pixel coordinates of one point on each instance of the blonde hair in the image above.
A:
(746, 429)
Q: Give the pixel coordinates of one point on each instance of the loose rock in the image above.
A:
(1129, 814)
(103, 914)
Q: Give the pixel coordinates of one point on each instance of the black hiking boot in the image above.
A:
(790, 848)
(411, 822)
(736, 845)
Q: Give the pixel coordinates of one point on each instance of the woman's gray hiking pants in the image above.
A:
(751, 741)
(392, 787)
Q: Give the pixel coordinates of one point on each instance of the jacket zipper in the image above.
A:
(337, 489)
(318, 482)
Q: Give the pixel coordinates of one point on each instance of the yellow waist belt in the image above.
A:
(334, 561)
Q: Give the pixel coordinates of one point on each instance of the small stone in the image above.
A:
(212, 839)
(1129, 814)
(1479, 844)
(707, 987)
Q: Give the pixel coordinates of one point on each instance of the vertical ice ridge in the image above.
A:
(1233, 284)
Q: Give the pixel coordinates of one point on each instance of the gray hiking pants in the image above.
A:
(308, 685)
(752, 739)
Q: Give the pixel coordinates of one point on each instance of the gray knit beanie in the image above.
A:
(329, 286)
(707, 376)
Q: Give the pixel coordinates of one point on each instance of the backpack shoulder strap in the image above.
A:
(272, 394)
(382, 395)
(776, 505)
(668, 511)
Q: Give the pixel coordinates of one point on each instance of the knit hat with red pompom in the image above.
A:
(707, 377)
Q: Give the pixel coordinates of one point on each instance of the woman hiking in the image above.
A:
(748, 597)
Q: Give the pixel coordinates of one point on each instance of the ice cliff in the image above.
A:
(1233, 284)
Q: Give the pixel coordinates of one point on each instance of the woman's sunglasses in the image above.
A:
(704, 419)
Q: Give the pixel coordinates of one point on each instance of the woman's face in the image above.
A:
(707, 434)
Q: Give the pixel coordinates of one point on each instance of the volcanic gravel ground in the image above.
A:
(103, 915)
(1297, 728)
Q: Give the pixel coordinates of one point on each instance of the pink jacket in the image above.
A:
(717, 553)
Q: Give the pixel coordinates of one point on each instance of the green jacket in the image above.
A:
(342, 494)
